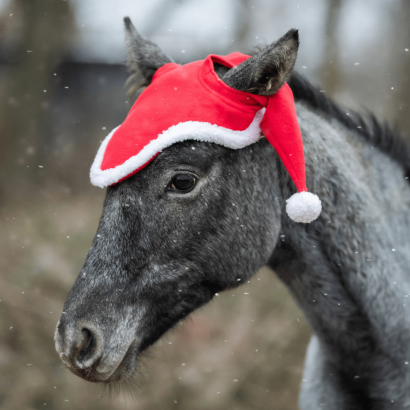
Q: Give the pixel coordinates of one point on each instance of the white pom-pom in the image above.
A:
(303, 207)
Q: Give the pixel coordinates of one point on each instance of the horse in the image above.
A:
(202, 218)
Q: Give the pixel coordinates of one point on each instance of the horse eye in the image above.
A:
(183, 182)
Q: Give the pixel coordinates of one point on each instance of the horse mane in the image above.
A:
(378, 134)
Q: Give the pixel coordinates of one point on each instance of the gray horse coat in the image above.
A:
(160, 253)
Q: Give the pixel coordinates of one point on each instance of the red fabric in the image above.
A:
(194, 92)
(280, 127)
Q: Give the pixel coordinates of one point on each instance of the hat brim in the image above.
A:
(190, 130)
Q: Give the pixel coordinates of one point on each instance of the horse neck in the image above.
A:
(342, 269)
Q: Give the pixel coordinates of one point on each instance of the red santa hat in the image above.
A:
(190, 102)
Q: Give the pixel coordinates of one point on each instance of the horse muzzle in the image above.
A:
(90, 354)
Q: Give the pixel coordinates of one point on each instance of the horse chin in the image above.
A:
(123, 373)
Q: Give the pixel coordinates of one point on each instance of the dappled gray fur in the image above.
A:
(267, 70)
(160, 254)
(348, 271)
(144, 58)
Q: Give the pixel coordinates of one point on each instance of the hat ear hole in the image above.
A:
(144, 59)
(267, 70)
(220, 69)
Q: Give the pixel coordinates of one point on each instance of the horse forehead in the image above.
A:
(209, 159)
(199, 153)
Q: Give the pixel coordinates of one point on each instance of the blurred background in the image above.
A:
(62, 90)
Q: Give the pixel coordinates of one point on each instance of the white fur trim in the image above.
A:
(190, 130)
(303, 207)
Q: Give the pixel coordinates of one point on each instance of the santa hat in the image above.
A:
(190, 102)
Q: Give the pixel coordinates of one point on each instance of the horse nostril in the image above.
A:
(88, 345)
(85, 349)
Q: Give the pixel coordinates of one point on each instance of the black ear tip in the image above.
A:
(127, 22)
(294, 33)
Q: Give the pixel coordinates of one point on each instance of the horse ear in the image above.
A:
(265, 72)
(144, 58)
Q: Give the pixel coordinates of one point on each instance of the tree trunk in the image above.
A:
(243, 27)
(401, 58)
(330, 67)
(44, 29)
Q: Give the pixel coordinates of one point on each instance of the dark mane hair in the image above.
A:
(380, 135)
